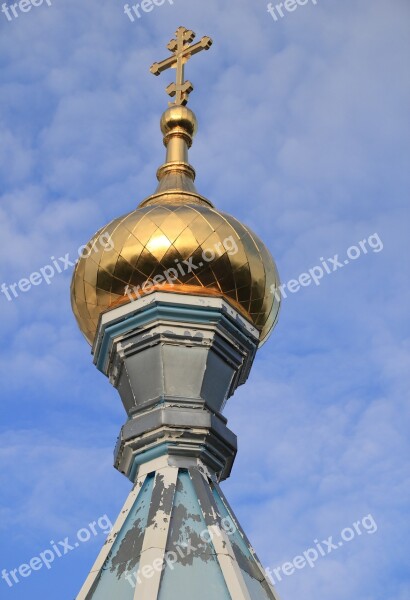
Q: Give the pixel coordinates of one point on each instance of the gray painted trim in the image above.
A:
(218, 453)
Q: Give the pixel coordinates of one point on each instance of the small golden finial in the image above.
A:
(182, 52)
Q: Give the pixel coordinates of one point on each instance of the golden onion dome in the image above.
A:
(175, 241)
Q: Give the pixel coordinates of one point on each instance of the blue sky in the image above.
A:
(304, 137)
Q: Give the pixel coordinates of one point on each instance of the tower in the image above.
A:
(175, 310)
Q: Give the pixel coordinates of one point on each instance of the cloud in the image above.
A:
(302, 135)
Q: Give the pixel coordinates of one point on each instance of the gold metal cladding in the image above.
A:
(179, 117)
(153, 239)
(182, 51)
(175, 168)
(176, 195)
(178, 126)
(174, 225)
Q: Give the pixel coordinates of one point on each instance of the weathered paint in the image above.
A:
(196, 573)
(156, 533)
(177, 519)
(125, 554)
(225, 554)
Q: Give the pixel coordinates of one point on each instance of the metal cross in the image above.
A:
(182, 52)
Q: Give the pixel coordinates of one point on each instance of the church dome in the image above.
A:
(175, 241)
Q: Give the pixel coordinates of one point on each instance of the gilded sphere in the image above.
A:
(179, 117)
(181, 247)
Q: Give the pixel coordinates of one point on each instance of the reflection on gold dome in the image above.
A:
(151, 241)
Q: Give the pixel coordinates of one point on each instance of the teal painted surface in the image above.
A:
(196, 574)
(185, 314)
(192, 570)
(144, 457)
(165, 311)
(125, 553)
(256, 590)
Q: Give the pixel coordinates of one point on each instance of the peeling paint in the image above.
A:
(126, 555)
(161, 500)
(129, 552)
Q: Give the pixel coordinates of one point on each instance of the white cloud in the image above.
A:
(302, 136)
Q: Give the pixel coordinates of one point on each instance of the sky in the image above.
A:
(303, 136)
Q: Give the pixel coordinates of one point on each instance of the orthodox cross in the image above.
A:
(182, 51)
